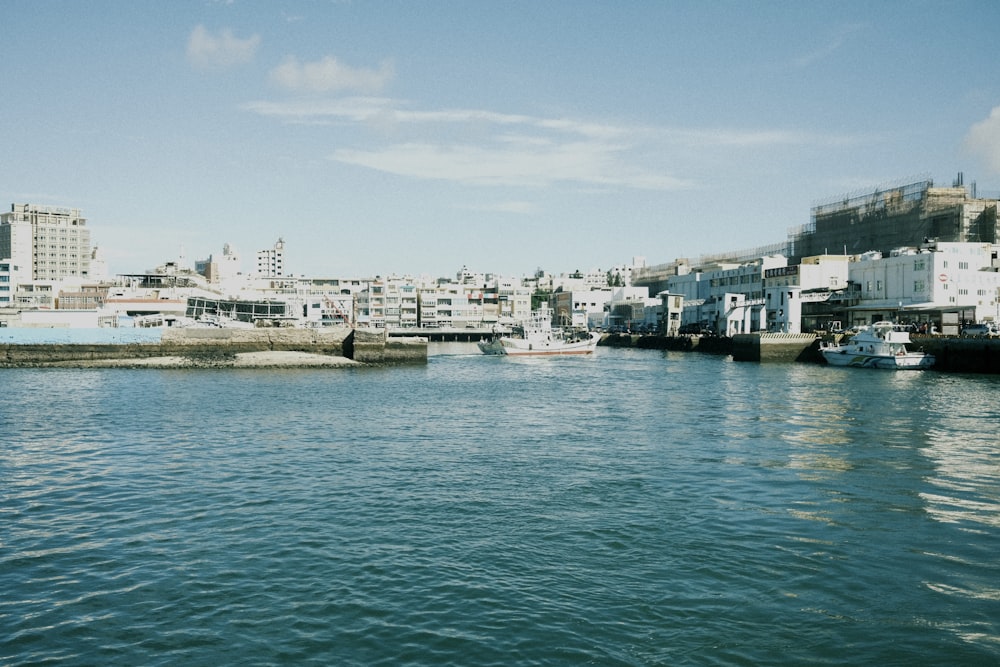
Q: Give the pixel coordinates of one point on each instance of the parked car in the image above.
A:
(979, 330)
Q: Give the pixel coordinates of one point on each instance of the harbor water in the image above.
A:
(632, 507)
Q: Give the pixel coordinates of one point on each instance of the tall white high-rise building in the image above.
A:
(45, 242)
(271, 263)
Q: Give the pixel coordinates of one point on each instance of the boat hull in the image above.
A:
(518, 347)
(538, 338)
(880, 345)
(908, 361)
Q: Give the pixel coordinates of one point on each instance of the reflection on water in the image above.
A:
(962, 442)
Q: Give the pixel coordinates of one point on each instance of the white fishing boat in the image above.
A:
(537, 337)
(881, 345)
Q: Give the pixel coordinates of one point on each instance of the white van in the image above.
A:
(979, 330)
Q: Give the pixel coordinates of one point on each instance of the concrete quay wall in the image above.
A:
(961, 355)
(775, 347)
(207, 344)
(706, 344)
(953, 355)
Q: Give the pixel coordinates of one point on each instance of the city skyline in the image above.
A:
(410, 138)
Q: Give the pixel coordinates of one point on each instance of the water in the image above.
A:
(632, 508)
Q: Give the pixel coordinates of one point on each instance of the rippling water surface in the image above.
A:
(633, 508)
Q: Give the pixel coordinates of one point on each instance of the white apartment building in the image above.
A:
(583, 308)
(627, 307)
(406, 303)
(817, 280)
(6, 287)
(921, 283)
(45, 243)
(271, 263)
(734, 299)
(514, 301)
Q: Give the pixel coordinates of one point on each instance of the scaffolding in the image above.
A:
(892, 216)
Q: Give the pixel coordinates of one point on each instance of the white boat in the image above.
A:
(881, 345)
(537, 337)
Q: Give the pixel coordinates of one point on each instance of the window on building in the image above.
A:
(919, 286)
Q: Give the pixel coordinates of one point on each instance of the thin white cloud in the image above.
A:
(219, 51)
(329, 75)
(836, 41)
(516, 207)
(315, 111)
(504, 149)
(983, 140)
(523, 164)
(387, 111)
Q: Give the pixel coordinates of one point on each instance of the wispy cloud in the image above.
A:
(219, 51)
(515, 207)
(504, 149)
(983, 140)
(522, 164)
(836, 41)
(330, 75)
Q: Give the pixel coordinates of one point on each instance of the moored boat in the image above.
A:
(537, 337)
(881, 345)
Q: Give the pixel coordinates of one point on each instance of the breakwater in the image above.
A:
(205, 347)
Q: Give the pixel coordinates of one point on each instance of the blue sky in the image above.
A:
(417, 137)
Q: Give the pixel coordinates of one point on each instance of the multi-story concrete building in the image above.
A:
(735, 301)
(670, 313)
(271, 263)
(881, 220)
(225, 267)
(45, 243)
(896, 216)
(6, 287)
(806, 296)
(581, 308)
(946, 284)
(940, 285)
(513, 301)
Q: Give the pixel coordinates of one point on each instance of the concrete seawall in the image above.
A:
(775, 347)
(220, 347)
(961, 355)
(953, 355)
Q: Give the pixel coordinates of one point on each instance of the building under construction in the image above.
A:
(883, 220)
(894, 217)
